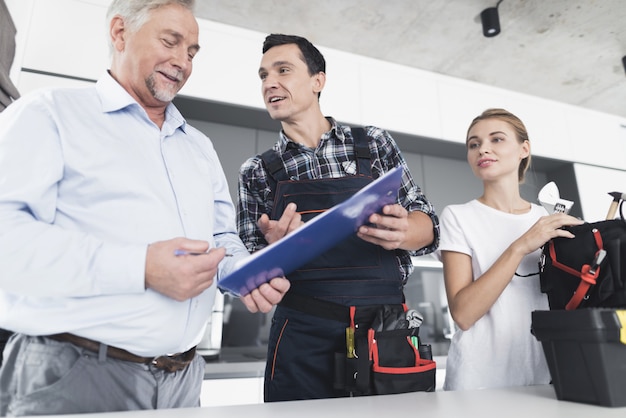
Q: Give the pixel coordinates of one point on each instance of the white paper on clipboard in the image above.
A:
(315, 237)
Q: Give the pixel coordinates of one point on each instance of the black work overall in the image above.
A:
(309, 326)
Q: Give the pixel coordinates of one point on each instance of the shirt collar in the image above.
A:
(334, 132)
(114, 97)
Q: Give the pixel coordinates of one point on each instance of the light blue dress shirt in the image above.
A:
(87, 181)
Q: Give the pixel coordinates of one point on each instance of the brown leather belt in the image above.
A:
(168, 363)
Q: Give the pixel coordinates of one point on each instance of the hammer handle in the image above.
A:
(612, 210)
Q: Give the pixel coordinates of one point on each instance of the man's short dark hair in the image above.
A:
(313, 58)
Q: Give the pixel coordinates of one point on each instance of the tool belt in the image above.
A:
(170, 364)
(318, 307)
(384, 353)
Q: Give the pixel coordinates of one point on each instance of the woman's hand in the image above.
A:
(546, 228)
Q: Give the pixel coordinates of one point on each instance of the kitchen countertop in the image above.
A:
(528, 401)
(234, 370)
(236, 362)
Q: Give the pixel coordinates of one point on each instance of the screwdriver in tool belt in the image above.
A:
(350, 342)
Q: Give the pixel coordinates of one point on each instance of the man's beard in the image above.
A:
(162, 94)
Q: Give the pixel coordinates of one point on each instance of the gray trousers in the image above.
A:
(41, 376)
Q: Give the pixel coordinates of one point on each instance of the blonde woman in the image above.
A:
(490, 249)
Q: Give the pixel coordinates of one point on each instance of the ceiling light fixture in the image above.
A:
(491, 21)
(624, 62)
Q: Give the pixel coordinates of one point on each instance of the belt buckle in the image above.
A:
(168, 364)
(174, 362)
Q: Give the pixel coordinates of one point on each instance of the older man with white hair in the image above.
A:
(101, 191)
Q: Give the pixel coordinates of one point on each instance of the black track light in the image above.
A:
(624, 62)
(491, 21)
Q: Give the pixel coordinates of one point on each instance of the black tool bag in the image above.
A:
(389, 358)
(587, 271)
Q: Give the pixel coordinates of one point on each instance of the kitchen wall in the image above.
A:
(359, 89)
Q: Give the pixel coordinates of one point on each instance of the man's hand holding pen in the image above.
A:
(181, 276)
(181, 268)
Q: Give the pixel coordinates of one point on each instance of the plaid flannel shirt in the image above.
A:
(333, 157)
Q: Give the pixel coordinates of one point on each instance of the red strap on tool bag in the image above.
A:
(588, 273)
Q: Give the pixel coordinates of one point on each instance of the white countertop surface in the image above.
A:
(527, 402)
(234, 370)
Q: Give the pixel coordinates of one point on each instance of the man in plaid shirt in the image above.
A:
(316, 164)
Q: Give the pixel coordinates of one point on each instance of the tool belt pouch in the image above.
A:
(387, 359)
(352, 375)
(587, 271)
(397, 365)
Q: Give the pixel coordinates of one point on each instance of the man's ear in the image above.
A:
(117, 32)
(319, 81)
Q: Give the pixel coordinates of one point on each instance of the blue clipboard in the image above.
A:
(314, 238)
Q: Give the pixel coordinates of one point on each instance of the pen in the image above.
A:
(185, 252)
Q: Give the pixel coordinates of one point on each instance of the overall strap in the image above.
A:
(273, 165)
(362, 151)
